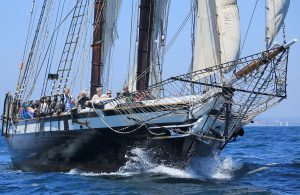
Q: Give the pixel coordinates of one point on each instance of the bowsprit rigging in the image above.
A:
(191, 115)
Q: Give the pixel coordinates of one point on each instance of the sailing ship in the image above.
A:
(195, 114)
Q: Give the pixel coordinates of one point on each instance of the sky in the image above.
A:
(14, 18)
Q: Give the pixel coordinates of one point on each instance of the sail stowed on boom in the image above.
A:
(276, 13)
(110, 33)
(152, 21)
(217, 33)
(105, 22)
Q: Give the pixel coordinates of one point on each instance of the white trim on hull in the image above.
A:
(102, 121)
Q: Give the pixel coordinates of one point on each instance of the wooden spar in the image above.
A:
(144, 44)
(97, 61)
(267, 56)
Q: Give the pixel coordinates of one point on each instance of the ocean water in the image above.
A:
(265, 161)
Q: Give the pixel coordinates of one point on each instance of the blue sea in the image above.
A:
(265, 161)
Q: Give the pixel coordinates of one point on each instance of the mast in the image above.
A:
(97, 56)
(144, 44)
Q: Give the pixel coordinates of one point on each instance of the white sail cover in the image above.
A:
(132, 78)
(276, 12)
(217, 38)
(159, 31)
(160, 20)
(159, 34)
(112, 10)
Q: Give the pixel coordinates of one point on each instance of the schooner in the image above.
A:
(195, 114)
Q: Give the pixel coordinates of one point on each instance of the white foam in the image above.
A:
(74, 172)
(139, 161)
(214, 167)
(95, 174)
(35, 184)
(173, 172)
(272, 164)
(257, 170)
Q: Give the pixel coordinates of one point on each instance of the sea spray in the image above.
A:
(213, 168)
(140, 161)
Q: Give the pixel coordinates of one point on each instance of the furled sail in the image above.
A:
(217, 38)
(276, 12)
(144, 43)
(104, 33)
(109, 34)
(160, 22)
(144, 77)
(132, 78)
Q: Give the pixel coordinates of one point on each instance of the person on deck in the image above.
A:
(138, 97)
(108, 93)
(43, 107)
(82, 99)
(148, 95)
(68, 100)
(98, 94)
(106, 96)
(128, 96)
(36, 107)
(26, 111)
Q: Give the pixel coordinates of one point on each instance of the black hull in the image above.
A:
(100, 150)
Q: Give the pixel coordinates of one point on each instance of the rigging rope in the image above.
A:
(248, 28)
(166, 48)
(67, 55)
(49, 48)
(177, 33)
(81, 61)
(130, 40)
(51, 54)
(28, 63)
(32, 77)
(116, 131)
(29, 29)
(26, 44)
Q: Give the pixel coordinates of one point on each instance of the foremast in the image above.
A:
(144, 44)
(97, 46)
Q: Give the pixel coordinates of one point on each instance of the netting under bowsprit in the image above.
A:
(208, 92)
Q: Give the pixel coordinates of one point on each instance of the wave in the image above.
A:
(260, 169)
(214, 167)
(76, 171)
(172, 172)
(139, 162)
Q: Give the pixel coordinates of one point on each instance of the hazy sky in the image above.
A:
(14, 18)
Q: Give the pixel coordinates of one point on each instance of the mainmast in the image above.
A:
(144, 44)
(97, 56)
